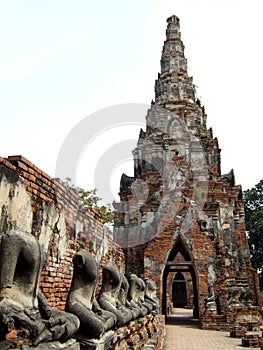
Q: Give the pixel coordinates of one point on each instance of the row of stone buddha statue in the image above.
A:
(118, 302)
(24, 307)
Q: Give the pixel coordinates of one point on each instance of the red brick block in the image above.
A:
(11, 335)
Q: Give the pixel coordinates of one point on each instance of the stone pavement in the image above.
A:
(184, 333)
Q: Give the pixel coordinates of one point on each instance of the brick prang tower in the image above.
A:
(179, 219)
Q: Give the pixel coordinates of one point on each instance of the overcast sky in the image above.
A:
(62, 60)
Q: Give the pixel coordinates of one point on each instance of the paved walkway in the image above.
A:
(183, 333)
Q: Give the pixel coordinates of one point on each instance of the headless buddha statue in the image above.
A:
(136, 296)
(123, 293)
(109, 294)
(94, 321)
(22, 304)
(150, 293)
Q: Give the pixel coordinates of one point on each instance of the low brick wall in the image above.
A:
(33, 202)
(55, 218)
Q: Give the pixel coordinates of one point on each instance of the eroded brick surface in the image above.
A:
(45, 207)
(179, 213)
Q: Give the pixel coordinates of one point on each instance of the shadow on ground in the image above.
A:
(182, 317)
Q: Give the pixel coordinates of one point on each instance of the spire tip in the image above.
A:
(173, 19)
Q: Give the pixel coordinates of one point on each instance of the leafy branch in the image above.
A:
(91, 200)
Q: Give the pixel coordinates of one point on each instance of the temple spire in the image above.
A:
(173, 28)
(173, 50)
(173, 84)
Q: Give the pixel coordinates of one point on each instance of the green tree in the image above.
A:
(91, 199)
(254, 225)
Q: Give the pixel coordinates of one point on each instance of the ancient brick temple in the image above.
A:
(180, 221)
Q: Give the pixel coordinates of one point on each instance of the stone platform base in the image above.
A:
(104, 343)
(139, 334)
(156, 340)
(70, 344)
(252, 341)
(247, 317)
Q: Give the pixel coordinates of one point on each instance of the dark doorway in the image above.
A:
(178, 264)
(179, 293)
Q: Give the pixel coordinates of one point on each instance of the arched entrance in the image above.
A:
(179, 264)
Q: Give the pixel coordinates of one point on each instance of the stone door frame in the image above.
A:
(172, 266)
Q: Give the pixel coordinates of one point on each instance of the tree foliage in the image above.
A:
(91, 199)
(254, 225)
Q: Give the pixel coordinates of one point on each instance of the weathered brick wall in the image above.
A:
(32, 201)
